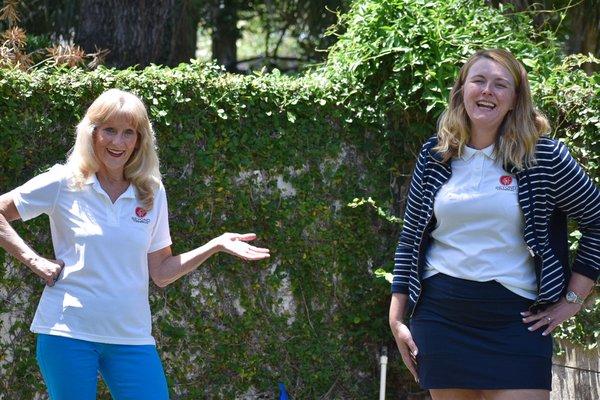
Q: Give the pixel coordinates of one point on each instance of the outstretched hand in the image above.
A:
(235, 244)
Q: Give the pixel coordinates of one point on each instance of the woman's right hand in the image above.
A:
(48, 270)
(406, 345)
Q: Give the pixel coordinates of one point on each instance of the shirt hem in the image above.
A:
(94, 338)
(516, 290)
(18, 200)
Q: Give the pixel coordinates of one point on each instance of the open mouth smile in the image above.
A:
(486, 105)
(115, 153)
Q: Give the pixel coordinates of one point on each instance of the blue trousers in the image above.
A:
(70, 369)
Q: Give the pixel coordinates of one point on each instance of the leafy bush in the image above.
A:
(401, 58)
(267, 153)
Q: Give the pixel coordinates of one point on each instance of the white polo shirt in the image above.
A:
(102, 292)
(479, 230)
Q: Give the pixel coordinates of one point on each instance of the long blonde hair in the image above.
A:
(142, 168)
(519, 131)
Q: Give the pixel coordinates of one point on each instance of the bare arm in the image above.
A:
(10, 241)
(165, 268)
(580, 284)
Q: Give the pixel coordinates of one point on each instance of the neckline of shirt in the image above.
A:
(93, 180)
(470, 152)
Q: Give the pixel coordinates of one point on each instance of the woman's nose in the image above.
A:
(119, 138)
(487, 88)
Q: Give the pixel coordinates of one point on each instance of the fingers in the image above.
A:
(409, 360)
(235, 244)
(551, 326)
(413, 348)
(407, 347)
(245, 236)
(53, 271)
(540, 320)
(259, 249)
(253, 255)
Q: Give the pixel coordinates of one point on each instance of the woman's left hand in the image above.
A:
(552, 316)
(235, 244)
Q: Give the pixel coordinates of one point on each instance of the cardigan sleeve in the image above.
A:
(404, 251)
(576, 195)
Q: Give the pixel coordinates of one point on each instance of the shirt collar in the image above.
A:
(93, 180)
(469, 152)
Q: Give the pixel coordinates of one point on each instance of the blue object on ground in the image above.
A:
(283, 394)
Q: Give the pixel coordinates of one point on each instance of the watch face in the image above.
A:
(572, 297)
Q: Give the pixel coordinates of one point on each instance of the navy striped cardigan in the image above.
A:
(549, 191)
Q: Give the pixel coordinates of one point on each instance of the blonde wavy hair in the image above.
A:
(142, 168)
(519, 131)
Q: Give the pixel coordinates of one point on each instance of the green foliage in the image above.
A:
(397, 61)
(264, 153)
(572, 101)
(406, 54)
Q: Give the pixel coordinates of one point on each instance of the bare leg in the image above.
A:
(516, 394)
(456, 394)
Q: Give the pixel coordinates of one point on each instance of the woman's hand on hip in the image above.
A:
(48, 270)
(552, 316)
(406, 345)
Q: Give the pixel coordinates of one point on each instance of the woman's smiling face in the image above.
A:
(488, 95)
(114, 142)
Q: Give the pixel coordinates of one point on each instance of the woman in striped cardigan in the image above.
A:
(481, 267)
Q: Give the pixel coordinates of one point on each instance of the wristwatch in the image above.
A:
(573, 297)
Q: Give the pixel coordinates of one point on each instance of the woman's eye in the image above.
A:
(110, 131)
(129, 133)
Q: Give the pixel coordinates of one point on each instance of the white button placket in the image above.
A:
(112, 209)
(479, 163)
(114, 213)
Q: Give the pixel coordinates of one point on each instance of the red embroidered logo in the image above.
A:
(140, 212)
(505, 180)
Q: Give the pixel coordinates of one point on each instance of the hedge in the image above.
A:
(269, 154)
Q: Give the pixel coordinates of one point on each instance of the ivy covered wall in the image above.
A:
(269, 154)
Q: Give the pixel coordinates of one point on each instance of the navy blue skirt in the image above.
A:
(470, 336)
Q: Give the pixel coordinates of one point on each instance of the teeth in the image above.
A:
(486, 104)
(115, 153)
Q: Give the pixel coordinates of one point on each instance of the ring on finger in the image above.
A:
(549, 319)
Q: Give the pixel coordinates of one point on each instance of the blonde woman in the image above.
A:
(110, 232)
(481, 267)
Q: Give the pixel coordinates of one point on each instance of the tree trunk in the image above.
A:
(225, 33)
(584, 23)
(184, 32)
(585, 32)
(138, 32)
